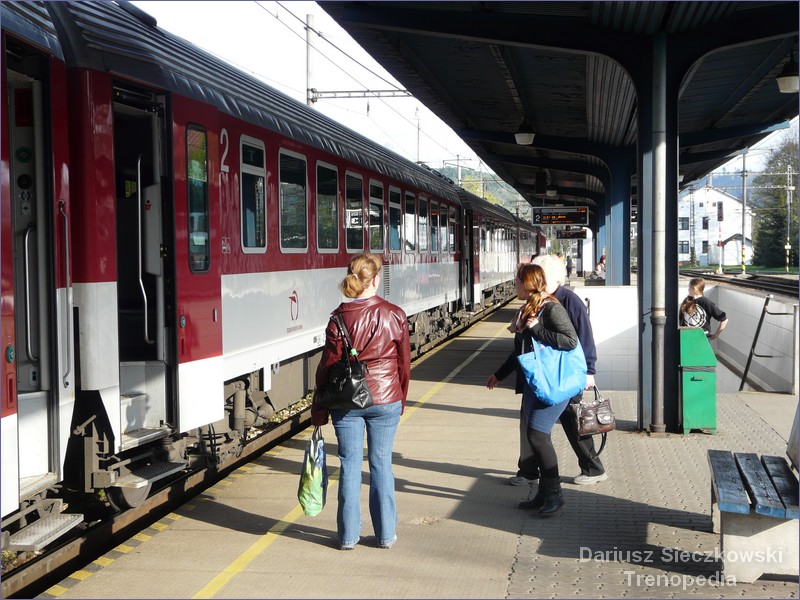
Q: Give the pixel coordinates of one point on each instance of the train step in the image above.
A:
(40, 533)
(142, 476)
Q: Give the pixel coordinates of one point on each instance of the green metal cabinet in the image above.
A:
(698, 372)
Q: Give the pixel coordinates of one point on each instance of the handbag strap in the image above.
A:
(347, 345)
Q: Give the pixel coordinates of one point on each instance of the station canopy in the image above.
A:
(572, 73)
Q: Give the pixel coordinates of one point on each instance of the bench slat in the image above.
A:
(785, 483)
(728, 488)
(764, 495)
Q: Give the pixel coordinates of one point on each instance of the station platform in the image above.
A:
(643, 533)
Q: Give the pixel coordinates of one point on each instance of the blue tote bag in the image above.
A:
(554, 375)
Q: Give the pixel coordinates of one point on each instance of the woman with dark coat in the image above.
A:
(379, 333)
(541, 319)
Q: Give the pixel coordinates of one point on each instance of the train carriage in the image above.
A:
(173, 234)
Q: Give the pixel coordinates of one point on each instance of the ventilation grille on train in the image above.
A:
(386, 286)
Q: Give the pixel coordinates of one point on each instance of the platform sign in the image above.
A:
(574, 215)
(571, 234)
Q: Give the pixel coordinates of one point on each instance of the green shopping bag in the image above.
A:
(313, 487)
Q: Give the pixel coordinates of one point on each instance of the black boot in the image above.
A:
(553, 498)
(538, 499)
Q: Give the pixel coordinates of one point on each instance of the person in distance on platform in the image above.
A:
(600, 269)
(592, 470)
(569, 266)
(697, 310)
(379, 331)
(541, 319)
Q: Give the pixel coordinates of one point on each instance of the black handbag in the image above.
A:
(594, 417)
(347, 382)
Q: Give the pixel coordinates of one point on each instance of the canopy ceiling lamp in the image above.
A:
(552, 191)
(787, 80)
(524, 135)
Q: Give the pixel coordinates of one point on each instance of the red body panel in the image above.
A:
(94, 233)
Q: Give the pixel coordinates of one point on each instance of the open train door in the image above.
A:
(468, 261)
(38, 380)
(145, 285)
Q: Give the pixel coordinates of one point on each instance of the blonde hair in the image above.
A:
(533, 279)
(362, 269)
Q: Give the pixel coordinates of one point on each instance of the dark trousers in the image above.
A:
(582, 446)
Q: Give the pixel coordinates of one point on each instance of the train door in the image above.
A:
(144, 281)
(38, 374)
(468, 261)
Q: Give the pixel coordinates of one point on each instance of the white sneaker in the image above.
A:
(519, 480)
(589, 479)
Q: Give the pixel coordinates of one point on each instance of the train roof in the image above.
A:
(478, 204)
(119, 38)
(32, 22)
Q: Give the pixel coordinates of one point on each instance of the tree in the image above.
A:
(772, 216)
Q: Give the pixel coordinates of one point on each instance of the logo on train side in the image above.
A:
(294, 305)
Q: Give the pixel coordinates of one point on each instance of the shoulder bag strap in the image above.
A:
(347, 345)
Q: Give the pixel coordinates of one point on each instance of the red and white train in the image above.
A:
(173, 232)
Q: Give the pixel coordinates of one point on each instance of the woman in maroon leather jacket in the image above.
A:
(379, 332)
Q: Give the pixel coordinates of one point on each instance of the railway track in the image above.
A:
(108, 528)
(772, 284)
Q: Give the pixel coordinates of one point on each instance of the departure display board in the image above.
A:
(574, 215)
(571, 234)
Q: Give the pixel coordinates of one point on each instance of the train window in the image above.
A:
(434, 227)
(253, 195)
(422, 224)
(395, 218)
(375, 216)
(327, 208)
(354, 212)
(443, 227)
(409, 226)
(293, 203)
(451, 233)
(197, 182)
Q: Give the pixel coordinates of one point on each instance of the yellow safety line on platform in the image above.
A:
(450, 376)
(240, 562)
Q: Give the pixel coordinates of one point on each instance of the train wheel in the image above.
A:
(123, 498)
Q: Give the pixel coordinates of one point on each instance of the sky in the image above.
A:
(268, 40)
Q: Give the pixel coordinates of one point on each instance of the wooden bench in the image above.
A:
(754, 506)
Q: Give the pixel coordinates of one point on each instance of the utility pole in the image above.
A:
(416, 116)
(744, 208)
(789, 188)
(309, 29)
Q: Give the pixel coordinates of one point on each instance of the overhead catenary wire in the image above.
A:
(356, 61)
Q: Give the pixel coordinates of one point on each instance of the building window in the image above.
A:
(253, 195)
(197, 182)
(705, 247)
(327, 208)
(293, 203)
(683, 247)
(683, 223)
(705, 222)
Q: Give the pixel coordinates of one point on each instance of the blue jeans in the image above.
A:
(381, 422)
